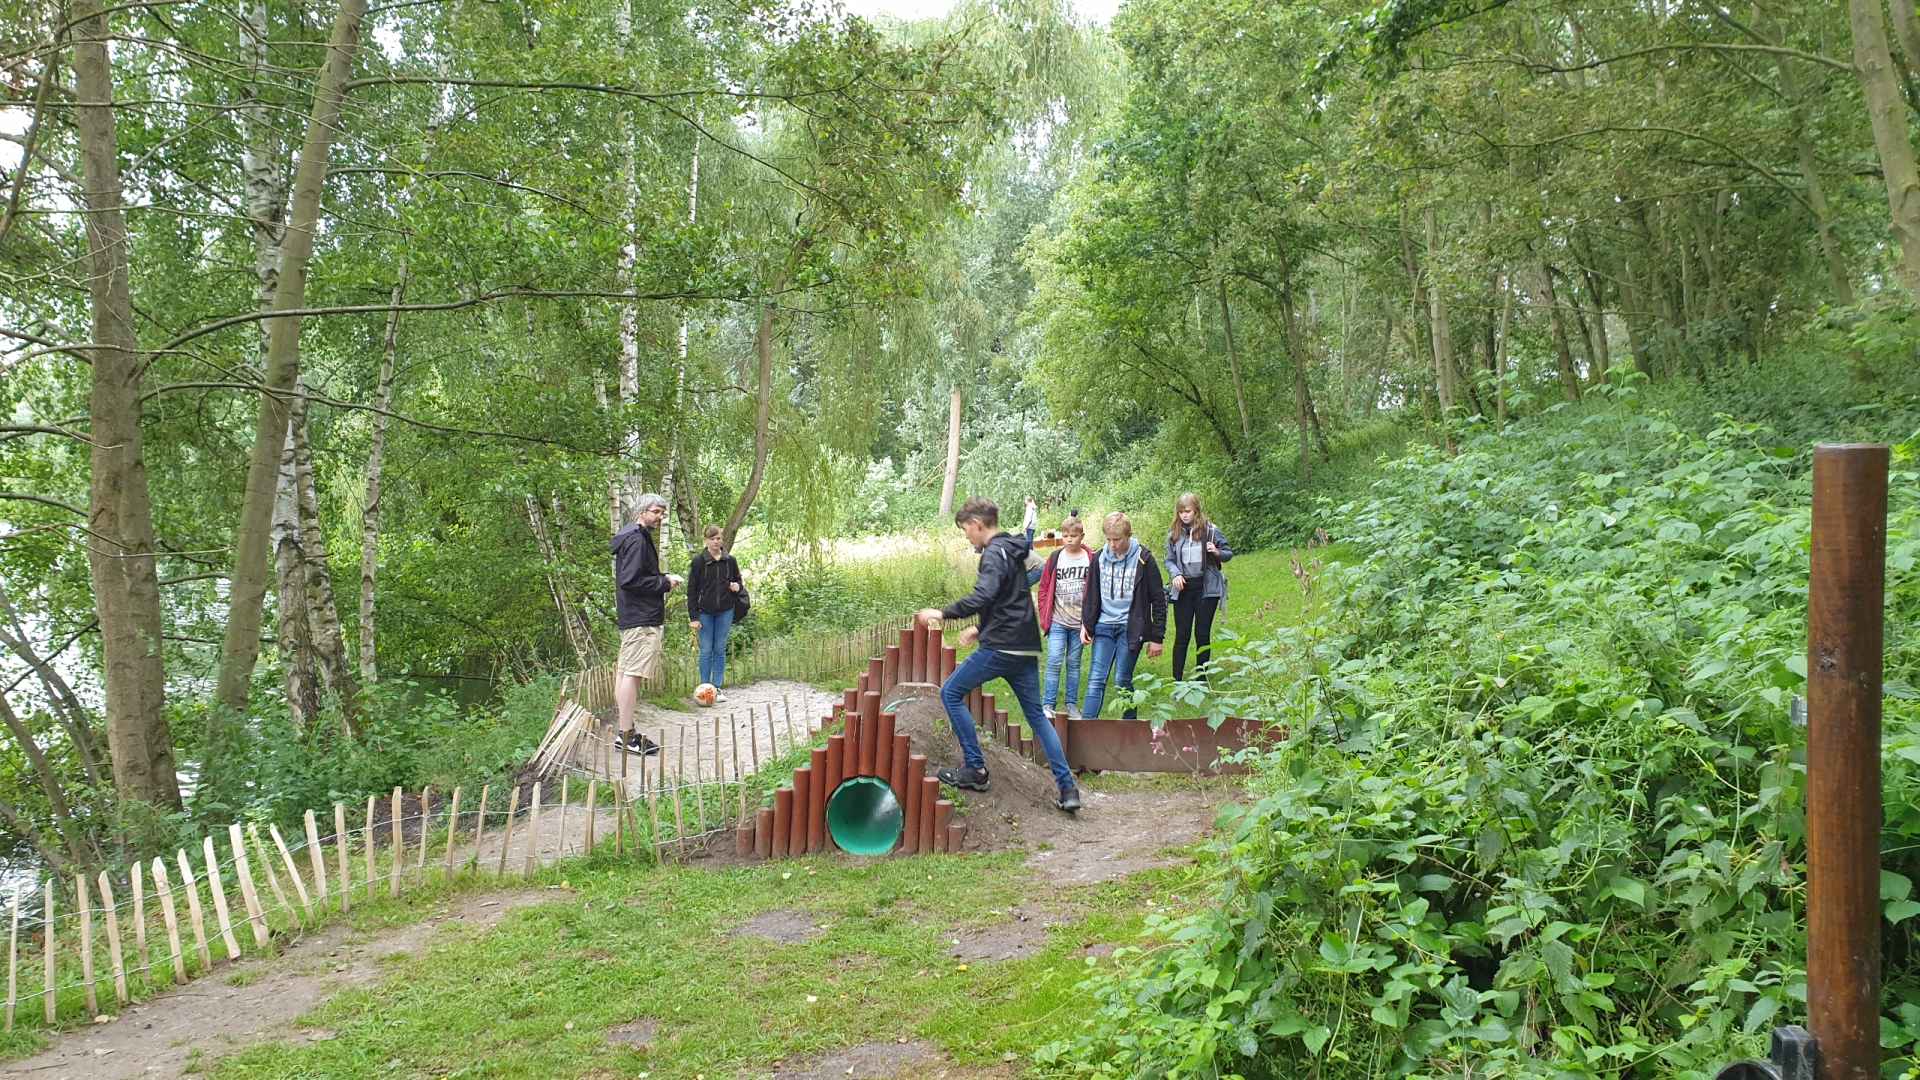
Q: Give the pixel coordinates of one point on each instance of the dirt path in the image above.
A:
(256, 1000)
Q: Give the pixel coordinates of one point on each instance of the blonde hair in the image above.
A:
(1188, 500)
(1117, 522)
(1073, 525)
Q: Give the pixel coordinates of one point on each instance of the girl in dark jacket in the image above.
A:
(1196, 552)
(713, 586)
(1125, 610)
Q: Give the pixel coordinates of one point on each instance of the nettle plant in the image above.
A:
(1539, 808)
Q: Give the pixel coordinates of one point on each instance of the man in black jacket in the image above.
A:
(1009, 637)
(640, 605)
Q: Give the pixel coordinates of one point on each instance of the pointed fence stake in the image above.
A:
(86, 942)
(218, 890)
(172, 917)
(193, 910)
(249, 893)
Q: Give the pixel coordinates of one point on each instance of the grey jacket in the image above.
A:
(1207, 573)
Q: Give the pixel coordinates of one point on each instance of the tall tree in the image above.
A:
(121, 553)
(247, 589)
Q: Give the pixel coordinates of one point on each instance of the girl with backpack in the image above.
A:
(1196, 552)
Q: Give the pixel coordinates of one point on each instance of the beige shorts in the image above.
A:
(640, 650)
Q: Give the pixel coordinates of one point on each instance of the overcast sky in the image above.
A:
(1099, 10)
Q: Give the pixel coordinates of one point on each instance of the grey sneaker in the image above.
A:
(1070, 798)
(965, 776)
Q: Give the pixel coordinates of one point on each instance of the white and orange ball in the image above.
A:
(705, 693)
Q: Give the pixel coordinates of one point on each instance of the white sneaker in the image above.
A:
(1047, 712)
(718, 698)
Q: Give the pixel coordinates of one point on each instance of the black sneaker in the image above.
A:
(1069, 798)
(635, 743)
(966, 777)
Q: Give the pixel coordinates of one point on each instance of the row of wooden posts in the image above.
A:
(304, 895)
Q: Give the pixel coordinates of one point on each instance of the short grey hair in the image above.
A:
(647, 502)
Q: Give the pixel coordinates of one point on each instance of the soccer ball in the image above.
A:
(705, 693)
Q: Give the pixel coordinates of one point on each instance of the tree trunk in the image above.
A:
(1803, 149)
(247, 588)
(120, 554)
(1442, 335)
(579, 637)
(1233, 364)
(1302, 405)
(294, 641)
(679, 482)
(376, 461)
(1906, 30)
(952, 482)
(1500, 352)
(323, 612)
(1602, 349)
(624, 487)
(1569, 376)
(762, 414)
(1873, 64)
(79, 847)
(61, 700)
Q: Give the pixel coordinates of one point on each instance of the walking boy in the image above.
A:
(1009, 637)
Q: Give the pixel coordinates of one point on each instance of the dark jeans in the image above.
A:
(1022, 673)
(1193, 618)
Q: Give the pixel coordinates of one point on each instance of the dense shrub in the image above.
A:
(1539, 813)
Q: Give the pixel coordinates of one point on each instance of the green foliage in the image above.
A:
(1539, 810)
(411, 737)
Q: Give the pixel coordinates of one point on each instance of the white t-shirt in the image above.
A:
(1070, 586)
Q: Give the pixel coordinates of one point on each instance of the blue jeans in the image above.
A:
(714, 628)
(1109, 650)
(1063, 649)
(1022, 673)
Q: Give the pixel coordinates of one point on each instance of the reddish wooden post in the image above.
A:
(916, 773)
(817, 799)
(883, 748)
(908, 635)
(949, 659)
(782, 820)
(890, 676)
(802, 809)
(929, 798)
(930, 655)
(869, 732)
(1845, 636)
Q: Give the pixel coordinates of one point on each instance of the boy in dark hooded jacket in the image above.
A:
(1009, 638)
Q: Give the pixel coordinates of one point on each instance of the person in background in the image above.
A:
(1008, 633)
(1031, 520)
(713, 587)
(1124, 610)
(1196, 553)
(640, 608)
(1063, 585)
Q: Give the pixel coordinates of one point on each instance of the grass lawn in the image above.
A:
(537, 995)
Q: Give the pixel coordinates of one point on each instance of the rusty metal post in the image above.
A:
(1845, 635)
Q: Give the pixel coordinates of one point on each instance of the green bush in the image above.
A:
(1539, 811)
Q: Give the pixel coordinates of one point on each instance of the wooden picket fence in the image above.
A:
(133, 930)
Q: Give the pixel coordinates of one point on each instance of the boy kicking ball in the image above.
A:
(1009, 638)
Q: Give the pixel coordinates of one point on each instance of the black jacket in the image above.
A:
(1147, 620)
(1001, 598)
(707, 581)
(639, 588)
